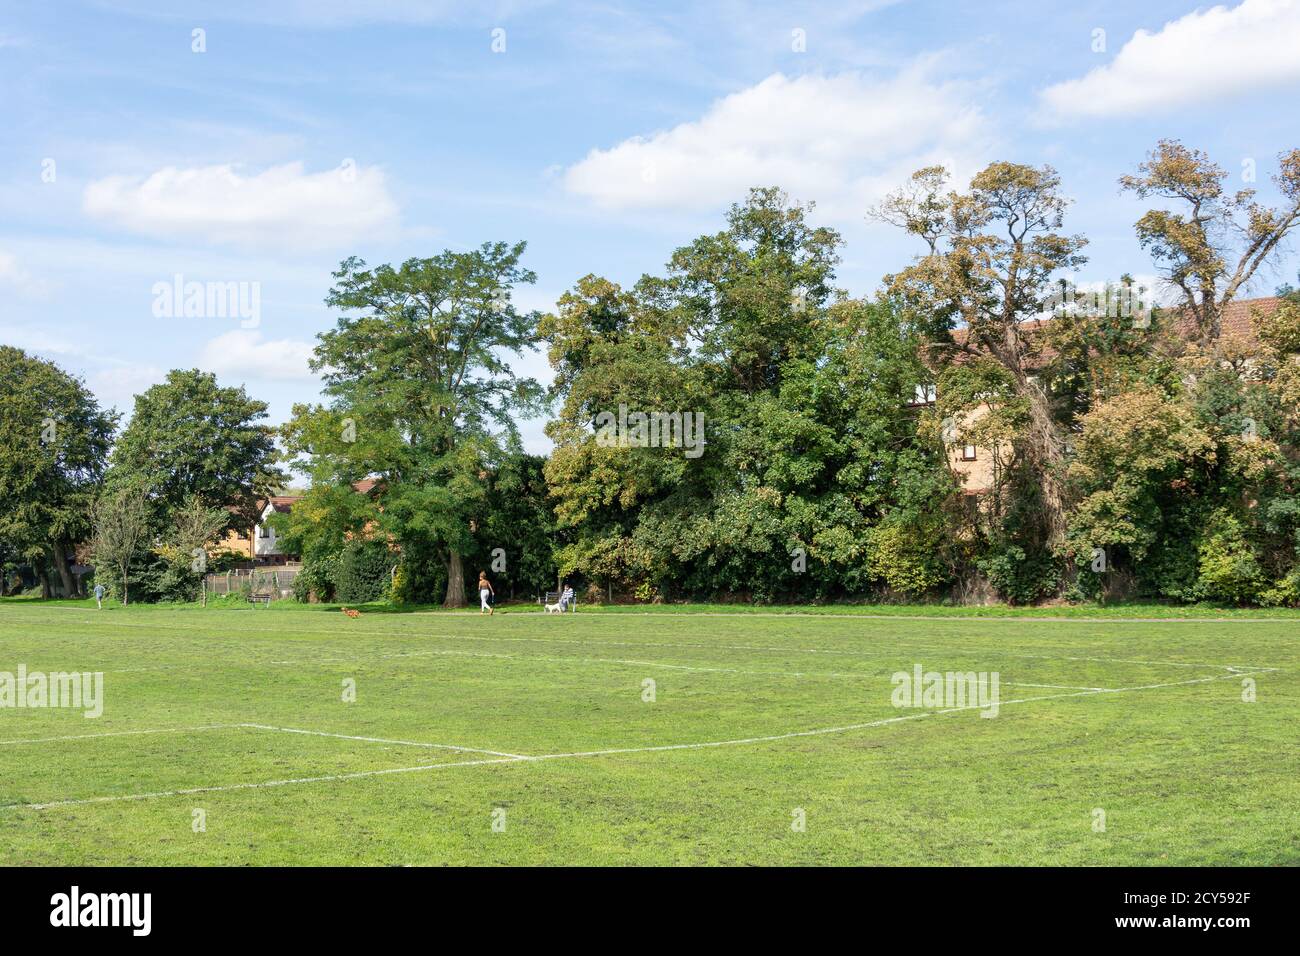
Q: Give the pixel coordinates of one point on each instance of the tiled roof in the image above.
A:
(1238, 321)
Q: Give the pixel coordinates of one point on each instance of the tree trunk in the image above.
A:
(59, 555)
(455, 582)
(1047, 450)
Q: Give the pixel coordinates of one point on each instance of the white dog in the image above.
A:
(554, 609)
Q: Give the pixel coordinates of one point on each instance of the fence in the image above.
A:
(276, 582)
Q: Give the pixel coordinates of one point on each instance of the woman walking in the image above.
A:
(486, 594)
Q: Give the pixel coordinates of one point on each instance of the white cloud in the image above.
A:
(13, 276)
(281, 206)
(842, 140)
(117, 385)
(1207, 54)
(243, 354)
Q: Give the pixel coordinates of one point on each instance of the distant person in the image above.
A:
(566, 598)
(486, 595)
(99, 596)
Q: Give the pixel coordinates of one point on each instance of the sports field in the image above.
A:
(228, 737)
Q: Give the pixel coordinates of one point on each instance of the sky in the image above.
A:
(250, 146)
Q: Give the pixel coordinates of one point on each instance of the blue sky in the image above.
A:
(605, 134)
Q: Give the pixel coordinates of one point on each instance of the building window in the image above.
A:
(263, 531)
(925, 395)
(967, 452)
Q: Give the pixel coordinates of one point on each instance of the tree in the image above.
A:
(813, 470)
(1212, 249)
(121, 519)
(992, 253)
(189, 437)
(194, 527)
(54, 440)
(421, 393)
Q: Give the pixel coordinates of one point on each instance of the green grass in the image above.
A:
(1186, 774)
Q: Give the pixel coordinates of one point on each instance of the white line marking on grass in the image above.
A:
(613, 751)
(330, 778)
(124, 733)
(383, 740)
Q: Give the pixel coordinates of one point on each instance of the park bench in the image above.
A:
(259, 597)
(553, 597)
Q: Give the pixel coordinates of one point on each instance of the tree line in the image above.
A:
(1150, 454)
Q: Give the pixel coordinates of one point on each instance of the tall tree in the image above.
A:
(189, 436)
(421, 390)
(54, 440)
(1212, 248)
(991, 255)
(121, 521)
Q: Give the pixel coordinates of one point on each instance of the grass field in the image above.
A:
(528, 739)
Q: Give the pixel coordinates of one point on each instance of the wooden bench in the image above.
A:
(260, 597)
(553, 597)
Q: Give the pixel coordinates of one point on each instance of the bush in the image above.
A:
(1229, 570)
(364, 572)
(1021, 578)
(317, 576)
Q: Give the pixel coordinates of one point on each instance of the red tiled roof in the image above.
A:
(1238, 321)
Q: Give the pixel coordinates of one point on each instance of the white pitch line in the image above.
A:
(330, 778)
(383, 740)
(124, 733)
(599, 753)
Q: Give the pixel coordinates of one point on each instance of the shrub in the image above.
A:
(364, 571)
(317, 575)
(1021, 578)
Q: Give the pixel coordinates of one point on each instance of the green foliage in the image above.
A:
(319, 572)
(422, 396)
(1020, 577)
(54, 440)
(189, 437)
(363, 573)
(803, 394)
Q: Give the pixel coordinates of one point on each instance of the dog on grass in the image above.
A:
(554, 609)
(351, 612)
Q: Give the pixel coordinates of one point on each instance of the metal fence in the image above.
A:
(277, 582)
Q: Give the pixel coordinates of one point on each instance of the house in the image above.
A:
(979, 467)
(258, 544)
